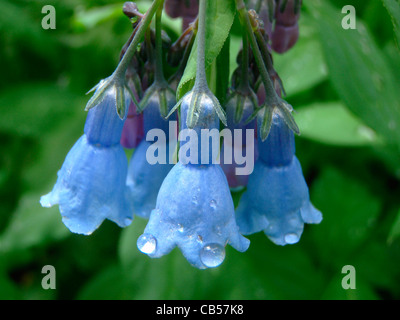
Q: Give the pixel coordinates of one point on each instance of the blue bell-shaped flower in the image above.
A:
(144, 176)
(277, 198)
(91, 183)
(194, 209)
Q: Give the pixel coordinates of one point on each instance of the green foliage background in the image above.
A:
(344, 85)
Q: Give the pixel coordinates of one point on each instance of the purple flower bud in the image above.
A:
(284, 37)
(187, 9)
(286, 31)
(132, 133)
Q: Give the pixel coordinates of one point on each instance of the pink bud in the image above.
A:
(132, 132)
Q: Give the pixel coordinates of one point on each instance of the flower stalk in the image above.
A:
(117, 79)
(273, 103)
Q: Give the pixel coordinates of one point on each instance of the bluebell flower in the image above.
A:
(277, 197)
(144, 178)
(91, 182)
(194, 209)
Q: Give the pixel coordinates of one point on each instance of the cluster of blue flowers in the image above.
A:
(187, 204)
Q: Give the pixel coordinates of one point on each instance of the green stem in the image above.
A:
(159, 73)
(139, 32)
(244, 81)
(201, 80)
(271, 95)
(264, 50)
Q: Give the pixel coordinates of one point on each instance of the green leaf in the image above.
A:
(110, 284)
(393, 7)
(332, 123)
(20, 23)
(395, 229)
(35, 108)
(302, 67)
(290, 266)
(335, 291)
(88, 19)
(31, 225)
(358, 71)
(349, 211)
(172, 277)
(219, 19)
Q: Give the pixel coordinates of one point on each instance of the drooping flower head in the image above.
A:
(240, 106)
(91, 183)
(145, 176)
(194, 208)
(277, 198)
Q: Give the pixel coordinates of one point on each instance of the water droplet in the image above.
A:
(147, 243)
(291, 238)
(180, 227)
(194, 200)
(127, 221)
(199, 239)
(213, 204)
(212, 255)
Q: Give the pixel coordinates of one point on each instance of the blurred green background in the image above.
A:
(344, 85)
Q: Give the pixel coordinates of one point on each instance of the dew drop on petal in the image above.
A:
(291, 238)
(127, 221)
(212, 255)
(213, 204)
(147, 243)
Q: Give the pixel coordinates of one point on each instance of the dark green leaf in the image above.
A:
(358, 71)
(31, 225)
(303, 66)
(393, 7)
(395, 230)
(35, 108)
(349, 212)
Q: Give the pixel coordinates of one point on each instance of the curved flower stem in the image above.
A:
(139, 32)
(273, 103)
(267, 58)
(271, 96)
(244, 81)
